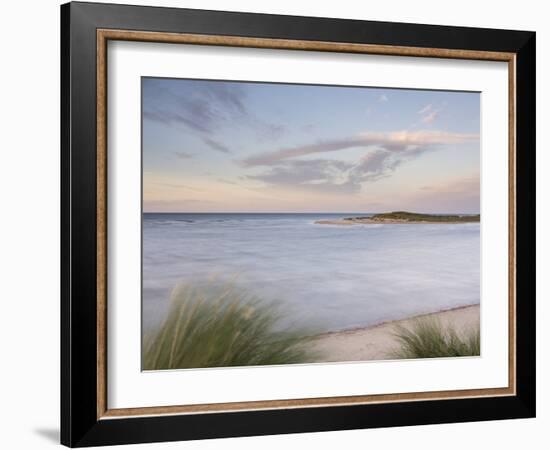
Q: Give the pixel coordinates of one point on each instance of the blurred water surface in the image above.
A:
(326, 276)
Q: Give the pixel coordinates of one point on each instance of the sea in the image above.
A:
(329, 277)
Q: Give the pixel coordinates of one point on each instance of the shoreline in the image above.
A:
(376, 342)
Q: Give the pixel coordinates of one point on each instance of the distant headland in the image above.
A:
(404, 217)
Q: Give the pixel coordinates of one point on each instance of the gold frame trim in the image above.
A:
(103, 36)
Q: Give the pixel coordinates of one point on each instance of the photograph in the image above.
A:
(285, 222)
(298, 223)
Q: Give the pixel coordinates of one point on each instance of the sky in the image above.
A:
(226, 146)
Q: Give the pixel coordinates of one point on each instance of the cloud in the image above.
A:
(335, 176)
(393, 141)
(420, 137)
(385, 152)
(383, 98)
(183, 155)
(373, 166)
(269, 158)
(428, 113)
(311, 175)
(172, 118)
(205, 108)
(200, 106)
(426, 109)
(430, 117)
(216, 145)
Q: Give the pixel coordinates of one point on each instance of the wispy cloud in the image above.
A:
(373, 166)
(215, 145)
(335, 176)
(172, 118)
(311, 175)
(383, 98)
(430, 117)
(205, 108)
(428, 114)
(183, 155)
(392, 141)
(385, 152)
(200, 106)
(426, 109)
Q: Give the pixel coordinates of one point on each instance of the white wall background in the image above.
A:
(29, 224)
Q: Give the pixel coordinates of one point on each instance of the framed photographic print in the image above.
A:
(276, 224)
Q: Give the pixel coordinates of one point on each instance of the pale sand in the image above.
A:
(377, 342)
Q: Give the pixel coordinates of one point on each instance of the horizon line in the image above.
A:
(305, 212)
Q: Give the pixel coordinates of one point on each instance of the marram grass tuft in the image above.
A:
(428, 338)
(221, 325)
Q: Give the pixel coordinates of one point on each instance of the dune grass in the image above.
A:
(221, 325)
(427, 337)
(419, 217)
(405, 216)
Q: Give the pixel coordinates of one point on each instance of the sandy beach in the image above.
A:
(377, 342)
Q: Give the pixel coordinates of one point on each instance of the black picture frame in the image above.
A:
(80, 425)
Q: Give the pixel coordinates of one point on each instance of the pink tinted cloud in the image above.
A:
(397, 141)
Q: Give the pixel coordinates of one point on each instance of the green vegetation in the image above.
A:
(417, 217)
(220, 325)
(428, 338)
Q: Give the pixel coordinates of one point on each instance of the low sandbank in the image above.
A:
(403, 217)
(368, 221)
(378, 342)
